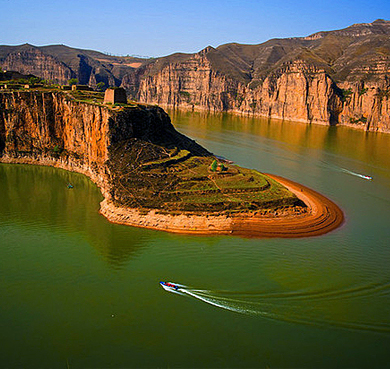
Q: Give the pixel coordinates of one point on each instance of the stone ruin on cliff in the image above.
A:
(115, 96)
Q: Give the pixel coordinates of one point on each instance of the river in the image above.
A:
(79, 292)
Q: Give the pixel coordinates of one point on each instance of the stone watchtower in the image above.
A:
(115, 95)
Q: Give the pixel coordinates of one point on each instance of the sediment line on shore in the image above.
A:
(323, 215)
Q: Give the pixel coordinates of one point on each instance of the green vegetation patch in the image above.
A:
(346, 95)
(175, 180)
(91, 97)
(360, 120)
(178, 155)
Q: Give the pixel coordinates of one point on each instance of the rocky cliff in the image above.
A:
(296, 92)
(55, 129)
(59, 63)
(49, 126)
(335, 77)
(151, 175)
(35, 62)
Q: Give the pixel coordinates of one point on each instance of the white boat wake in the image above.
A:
(347, 171)
(291, 308)
(369, 178)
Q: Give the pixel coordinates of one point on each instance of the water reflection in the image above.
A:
(368, 147)
(65, 270)
(38, 198)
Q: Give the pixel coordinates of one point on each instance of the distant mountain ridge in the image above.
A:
(329, 77)
(59, 63)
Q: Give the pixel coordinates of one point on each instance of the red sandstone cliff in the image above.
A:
(336, 77)
(55, 129)
(40, 123)
(296, 92)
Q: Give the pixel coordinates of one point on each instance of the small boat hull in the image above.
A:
(171, 287)
(367, 177)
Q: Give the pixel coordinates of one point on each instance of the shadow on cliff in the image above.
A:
(152, 125)
(140, 136)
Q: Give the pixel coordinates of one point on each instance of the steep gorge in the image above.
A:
(339, 77)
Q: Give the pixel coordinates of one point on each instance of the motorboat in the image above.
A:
(367, 177)
(169, 286)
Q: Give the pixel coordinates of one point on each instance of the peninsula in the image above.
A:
(151, 175)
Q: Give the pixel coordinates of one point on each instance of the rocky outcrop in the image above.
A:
(59, 63)
(296, 92)
(51, 127)
(366, 105)
(188, 84)
(33, 61)
(336, 77)
(120, 149)
(333, 77)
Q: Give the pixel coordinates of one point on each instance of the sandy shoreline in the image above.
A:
(323, 215)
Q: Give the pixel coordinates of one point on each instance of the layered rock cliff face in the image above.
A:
(189, 83)
(336, 77)
(296, 93)
(367, 106)
(51, 126)
(33, 61)
(59, 63)
(54, 129)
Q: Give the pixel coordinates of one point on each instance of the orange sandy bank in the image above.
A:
(322, 217)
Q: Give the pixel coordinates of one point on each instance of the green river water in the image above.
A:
(79, 292)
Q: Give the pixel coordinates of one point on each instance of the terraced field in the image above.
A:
(179, 181)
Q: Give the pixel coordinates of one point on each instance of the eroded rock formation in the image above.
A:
(151, 175)
(296, 93)
(336, 77)
(52, 128)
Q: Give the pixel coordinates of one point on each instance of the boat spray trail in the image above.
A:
(288, 307)
(344, 170)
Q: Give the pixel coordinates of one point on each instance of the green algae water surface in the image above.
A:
(79, 292)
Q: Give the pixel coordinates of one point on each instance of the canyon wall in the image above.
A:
(52, 128)
(338, 77)
(366, 106)
(33, 61)
(59, 63)
(298, 92)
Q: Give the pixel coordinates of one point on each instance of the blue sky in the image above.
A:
(157, 28)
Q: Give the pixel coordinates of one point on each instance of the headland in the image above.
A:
(151, 175)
